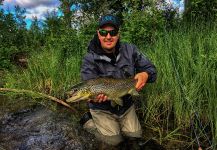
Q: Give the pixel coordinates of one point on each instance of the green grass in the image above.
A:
(47, 73)
(186, 60)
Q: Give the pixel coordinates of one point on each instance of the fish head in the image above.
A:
(78, 93)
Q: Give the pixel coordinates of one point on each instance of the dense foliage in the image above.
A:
(201, 10)
(182, 47)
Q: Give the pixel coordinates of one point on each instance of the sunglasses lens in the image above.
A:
(113, 32)
(105, 32)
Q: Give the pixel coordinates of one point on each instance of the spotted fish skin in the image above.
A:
(114, 89)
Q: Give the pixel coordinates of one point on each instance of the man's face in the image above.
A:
(108, 40)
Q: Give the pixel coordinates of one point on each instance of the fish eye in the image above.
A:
(85, 91)
(74, 90)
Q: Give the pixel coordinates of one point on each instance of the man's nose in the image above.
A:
(108, 36)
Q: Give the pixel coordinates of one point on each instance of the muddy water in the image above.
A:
(27, 126)
(39, 128)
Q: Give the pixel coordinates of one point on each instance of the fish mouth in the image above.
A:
(75, 99)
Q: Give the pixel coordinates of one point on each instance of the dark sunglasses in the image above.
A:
(105, 32)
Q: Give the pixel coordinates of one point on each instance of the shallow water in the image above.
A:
(39, 128)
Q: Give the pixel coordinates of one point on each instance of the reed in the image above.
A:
(47, 72)
(186, 61)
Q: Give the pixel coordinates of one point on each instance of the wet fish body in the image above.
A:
(113, 88)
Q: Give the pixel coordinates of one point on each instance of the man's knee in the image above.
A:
(112, 139)
(90, 126)
(136, 134)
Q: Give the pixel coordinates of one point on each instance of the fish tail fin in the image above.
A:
(133, 92)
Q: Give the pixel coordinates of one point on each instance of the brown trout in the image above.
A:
(113, 88)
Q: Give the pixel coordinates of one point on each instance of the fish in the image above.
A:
(113, 88)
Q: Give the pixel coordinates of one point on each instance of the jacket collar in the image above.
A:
(106, 58)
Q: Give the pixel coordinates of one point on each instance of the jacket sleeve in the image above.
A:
(143, 64)
(88, 68)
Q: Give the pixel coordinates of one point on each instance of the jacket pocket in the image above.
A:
(107, 70)
(127, 70)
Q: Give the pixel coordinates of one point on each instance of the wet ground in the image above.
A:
(39, 128)
(28, 126)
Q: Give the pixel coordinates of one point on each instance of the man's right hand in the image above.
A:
(100, 98)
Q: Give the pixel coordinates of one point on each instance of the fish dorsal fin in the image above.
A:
(77, 85)
(133, 92)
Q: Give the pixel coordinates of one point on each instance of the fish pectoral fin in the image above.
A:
(119, 101)
(133, 92)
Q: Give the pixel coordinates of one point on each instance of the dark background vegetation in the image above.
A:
(139, 27)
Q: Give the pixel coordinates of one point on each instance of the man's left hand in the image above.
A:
(141, 78)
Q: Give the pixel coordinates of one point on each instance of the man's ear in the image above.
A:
(97, 33)
(119, 36)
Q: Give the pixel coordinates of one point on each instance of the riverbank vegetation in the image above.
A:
(179, 110)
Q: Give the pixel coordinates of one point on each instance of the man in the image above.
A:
(108, 57)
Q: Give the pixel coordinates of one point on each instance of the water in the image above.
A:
(24, 125)
(40, 128)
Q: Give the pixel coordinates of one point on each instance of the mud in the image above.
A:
(39, 128)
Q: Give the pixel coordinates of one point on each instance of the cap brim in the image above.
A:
(108, 24)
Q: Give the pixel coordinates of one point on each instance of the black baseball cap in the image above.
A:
(109, 19)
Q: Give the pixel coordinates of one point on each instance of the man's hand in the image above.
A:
(100, 98)
(141, 81)
(141, 78)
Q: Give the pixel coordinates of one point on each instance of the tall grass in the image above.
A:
(186, 61)
(49, 71)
